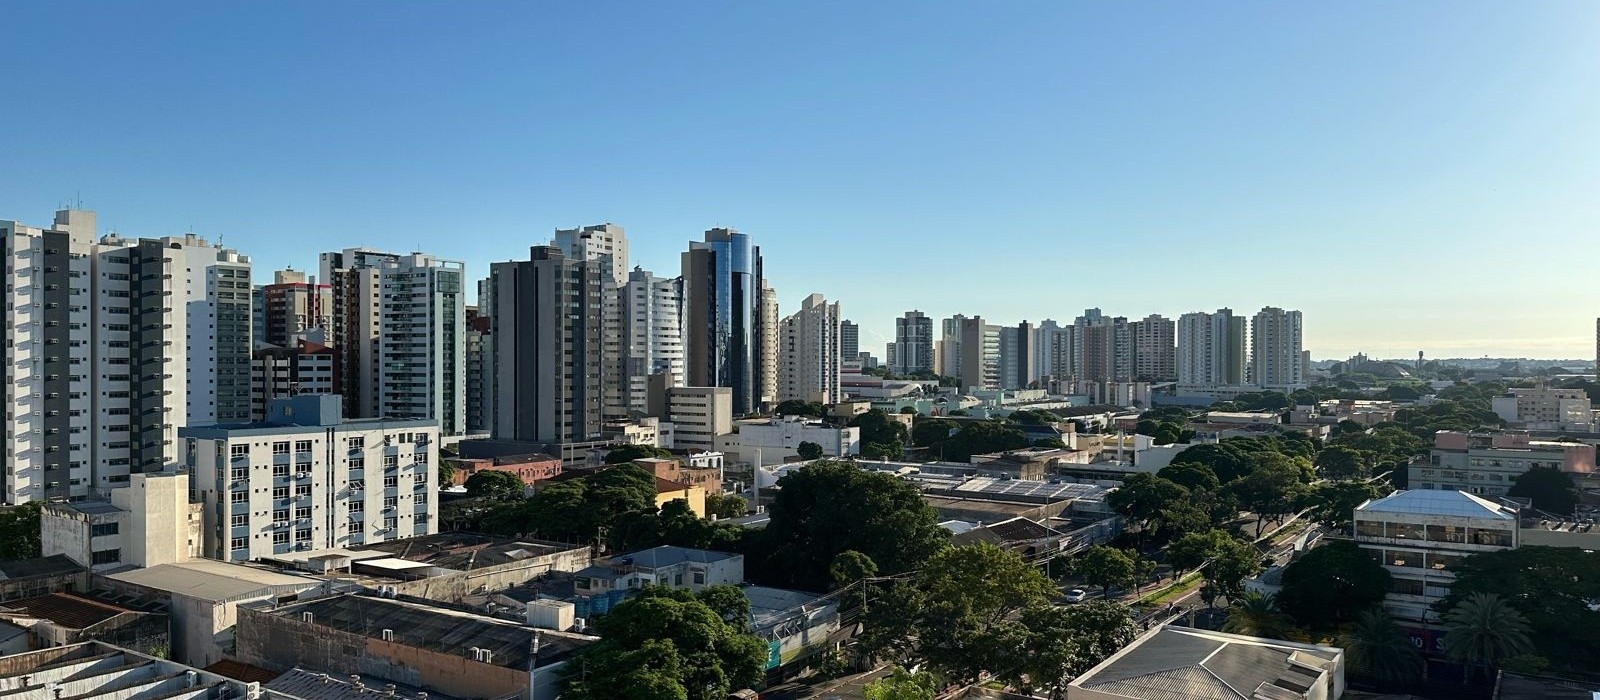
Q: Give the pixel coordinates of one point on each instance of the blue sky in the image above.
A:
(1420, 175)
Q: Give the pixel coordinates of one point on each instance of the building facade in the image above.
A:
(652, 317)
(1421, 536)
(607, 245)
(422, 348)
(980, 354)
(849, 340)
(549, 367)
(307, 479)
(304, 367)
(292, 306)
(808, 352)
(1155, 352)
(148, 523)
(1211, 350)
(699, 415)
(723, 334)
(913, 343)
(112, 346)
(1488, 464)
(1276, 358)
(1546, 408)
(352, 274)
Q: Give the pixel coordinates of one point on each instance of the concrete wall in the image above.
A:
(280, 643)
(160, 529)
(64, 531)
(452, 588)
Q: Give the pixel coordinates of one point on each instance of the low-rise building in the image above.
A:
(308, 367)
(778, 439)
(673, 567)
(1031, 464)
(1487, 464)
(63, 619)
(26, 578)
(669, 491)
(147, 523)
(1178, 662)
(530, 469)
(437, 649)
(307, 478)
(1420, 535)
(202, 597)
(699, 415)
(1545, 408)
(709, 479)
(100, 671)
(1029, 539)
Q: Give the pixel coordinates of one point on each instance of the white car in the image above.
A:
(1076, 595)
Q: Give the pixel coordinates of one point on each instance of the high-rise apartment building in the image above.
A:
(307, 367)
(1044, 339)
(1016, 356)
(724, 339)
(767, 346)
(548, 370)
(292, 306)
(477, 336)
(948, 347)
(913, 344)
(353, 276)
(112, 346)
(1155, 352)
(652, 317)
(1275, 350)
(307, 478)
(980, 354)
(1103, 348)
(1211, 350)
(849, 340)
(422, 351)
(606, 244)
(808, 352)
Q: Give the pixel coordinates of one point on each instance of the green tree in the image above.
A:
(1059, 643)
(1482, 631)
(908, 410)
(1334, 503)
(1031, 417)
(628, 453)
(930, 432)
(1550, 488)
(1378, 649)
(1190, 551)
(1167, 434)
(666, 644)
(1191, 475)
(1272, 489)
(882, 436)
(1257, 615)
(851, 566)
(1232, 562)
(1106, 567)
(828, 507)
(728, 602)
(901, 684)
(954, 614)
(1143, 497)
(1332, 584)
(1225, 460)
(809, 450)
(982, 437)
(796, 407)
(726, 505)
(493, 484)
(1553, 587)
(446, 473)
(1340, 462)
(19, 532)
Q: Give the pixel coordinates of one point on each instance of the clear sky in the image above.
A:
(1411, 175)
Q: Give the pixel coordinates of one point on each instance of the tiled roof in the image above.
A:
(66, 609)
(241, 671)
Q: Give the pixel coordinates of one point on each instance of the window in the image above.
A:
(280, 516)
(420, 478)
(677, 579)
(102, 529)
(355, 443)
(1405, 531)
(1369, 528)
(302, 468)
(302, 490)
(390, 501)
(280, 492)
(421, 458)
(699, 577)
(356, 527)
(239, 497)
(358, 463)
(240, 520)
(302, 535)
(420, 499)
(1405, 586)
(302, 513)
(280, 537)
(357, 484)
(1495, 538)
(280, 448)
(391, 461)
(240, 543)
(235, 450)
(280, 470)
(109, 556)
(1447, 533)
(389, 523)
(239, 473)
(302, 445)
(358, 506)
(390, 482)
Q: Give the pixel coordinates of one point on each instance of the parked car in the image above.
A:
(1076, 595)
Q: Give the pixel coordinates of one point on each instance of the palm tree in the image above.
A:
(1377, 648)
(1483, 630)
(1256, 615)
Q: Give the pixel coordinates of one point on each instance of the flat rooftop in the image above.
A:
(433, 628)
(98, 671)
(1169, 663)
(214, 581)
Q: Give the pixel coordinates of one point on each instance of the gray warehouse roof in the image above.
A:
(1438, 502)
(213, 581)
(1176, 663)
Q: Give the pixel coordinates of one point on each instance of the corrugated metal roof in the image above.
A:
(213, 581)
(1438, 502)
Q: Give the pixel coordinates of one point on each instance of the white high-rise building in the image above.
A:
(808, 350)
(913, 344)
(353, 275)
(306, 478)
(1211, 350)
(1276, 363)
(652, 317)
(422, 349)
(112, 346)
(606, 244)
(1044, 340)
(1155, 356)
(949, 346)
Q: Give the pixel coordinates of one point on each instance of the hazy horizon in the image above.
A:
(1410, 176)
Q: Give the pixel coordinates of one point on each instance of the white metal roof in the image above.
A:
(1438, 502)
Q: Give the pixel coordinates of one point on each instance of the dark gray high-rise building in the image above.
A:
(724, 341)
(547, 338)
(850, 340)
(913, 343)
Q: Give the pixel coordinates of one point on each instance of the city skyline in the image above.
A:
(1316, 159)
